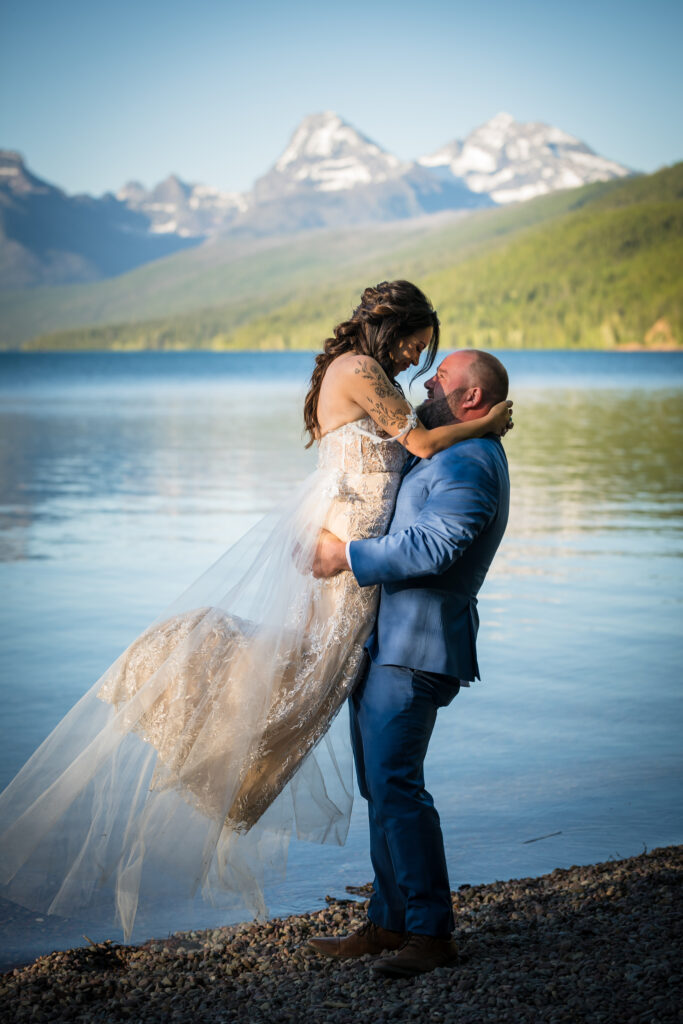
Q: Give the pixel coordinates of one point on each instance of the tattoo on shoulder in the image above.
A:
(375, 375)
(388, 416)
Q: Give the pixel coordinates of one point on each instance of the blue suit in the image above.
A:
(451, 512)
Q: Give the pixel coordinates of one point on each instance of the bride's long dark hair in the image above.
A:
(390, 311)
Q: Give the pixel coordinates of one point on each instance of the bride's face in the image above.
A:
(408, 350)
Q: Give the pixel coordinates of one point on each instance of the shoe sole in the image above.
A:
(390, 970)
(326, 952)
(347, 956)
(393, 972)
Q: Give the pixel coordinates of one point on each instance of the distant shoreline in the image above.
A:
(627, 347)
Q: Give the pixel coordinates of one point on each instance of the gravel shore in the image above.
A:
(598, 944)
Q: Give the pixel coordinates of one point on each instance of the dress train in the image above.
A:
(214, 737)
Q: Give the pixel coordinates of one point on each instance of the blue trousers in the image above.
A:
(393, 711)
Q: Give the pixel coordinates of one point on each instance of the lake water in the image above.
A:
(123, 476)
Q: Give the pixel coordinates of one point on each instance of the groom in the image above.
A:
(451, 512)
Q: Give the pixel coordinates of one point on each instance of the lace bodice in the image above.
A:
(361, 447)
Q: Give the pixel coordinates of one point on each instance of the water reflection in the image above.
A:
(580, 461)
(217, 458)
(598, 458)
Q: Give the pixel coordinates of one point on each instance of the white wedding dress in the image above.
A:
(208, 742)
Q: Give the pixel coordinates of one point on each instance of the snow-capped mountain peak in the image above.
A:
(176, 207)
(132, 193)
(513, 161)
(327, 154)
(500, 122)
(327, 137)
(16, 178)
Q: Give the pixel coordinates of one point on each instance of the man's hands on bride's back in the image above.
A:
(330, 556)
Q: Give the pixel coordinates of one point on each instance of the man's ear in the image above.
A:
(472, 398)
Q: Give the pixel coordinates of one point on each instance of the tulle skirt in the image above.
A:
(207, 744)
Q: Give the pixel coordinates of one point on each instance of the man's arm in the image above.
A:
(460, 505)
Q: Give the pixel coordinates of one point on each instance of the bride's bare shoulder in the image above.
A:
(353, 367)
(338, 401)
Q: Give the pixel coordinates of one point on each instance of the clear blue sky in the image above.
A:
(95, 93)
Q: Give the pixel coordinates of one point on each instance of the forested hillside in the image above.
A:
(599, 266)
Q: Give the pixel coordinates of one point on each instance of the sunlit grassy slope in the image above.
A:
(599, 266)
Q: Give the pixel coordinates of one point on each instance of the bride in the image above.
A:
(212, 738)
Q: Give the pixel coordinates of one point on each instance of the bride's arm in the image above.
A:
(369, 386)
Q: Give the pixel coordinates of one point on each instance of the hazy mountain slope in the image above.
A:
(225, 271)
(221, 273)
(595, 266)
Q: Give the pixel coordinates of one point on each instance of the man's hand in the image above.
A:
(330, 556)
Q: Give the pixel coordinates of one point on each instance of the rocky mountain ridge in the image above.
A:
(49, 237)
(329, 175)
(512, 162)
(327, 159)
(176, 207)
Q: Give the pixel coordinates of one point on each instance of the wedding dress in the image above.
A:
(213, 738)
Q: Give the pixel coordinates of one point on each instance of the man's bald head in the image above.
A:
(486, 372)
(465, 386)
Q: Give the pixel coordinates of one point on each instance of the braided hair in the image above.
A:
(387, 313)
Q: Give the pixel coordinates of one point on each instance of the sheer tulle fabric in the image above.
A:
(208, 743)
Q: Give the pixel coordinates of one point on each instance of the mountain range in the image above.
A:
(329, 176)
(597, 266)
(48, 237)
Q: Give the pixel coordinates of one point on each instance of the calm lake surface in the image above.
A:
(123, 476)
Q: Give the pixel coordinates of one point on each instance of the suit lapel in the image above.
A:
(410, 464)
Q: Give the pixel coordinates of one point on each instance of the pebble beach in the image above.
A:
(598, 943)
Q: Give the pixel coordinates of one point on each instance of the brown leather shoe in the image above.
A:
(417, 955)
(369, 938)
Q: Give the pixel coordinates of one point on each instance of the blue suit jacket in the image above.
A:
(451, 512)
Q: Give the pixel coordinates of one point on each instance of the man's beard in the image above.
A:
(438, 412)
